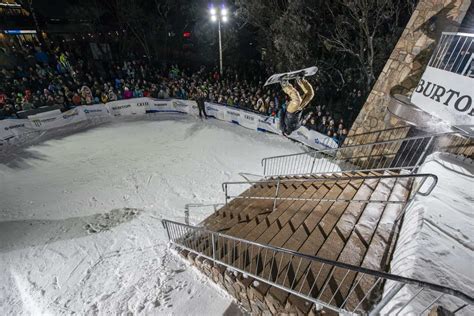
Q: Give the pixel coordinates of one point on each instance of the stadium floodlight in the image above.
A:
(219, 15)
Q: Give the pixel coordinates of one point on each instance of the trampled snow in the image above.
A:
(436, 243)
(80, 228)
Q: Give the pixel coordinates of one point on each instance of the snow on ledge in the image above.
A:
(436, 242)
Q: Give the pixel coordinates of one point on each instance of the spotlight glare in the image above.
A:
(213, 11)
(224, 11)
(213, 18)
(224, 18)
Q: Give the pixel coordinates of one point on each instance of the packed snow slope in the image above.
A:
(80, 228)
(436, 243)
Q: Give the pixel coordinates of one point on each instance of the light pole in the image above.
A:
(219, 16)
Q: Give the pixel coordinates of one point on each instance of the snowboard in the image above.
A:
(278, 78)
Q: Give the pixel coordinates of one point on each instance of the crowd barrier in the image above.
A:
(15, 131)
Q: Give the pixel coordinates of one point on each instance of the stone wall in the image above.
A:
(253, 296)
(408, 60)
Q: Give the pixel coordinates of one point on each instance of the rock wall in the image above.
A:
(253, 296)
(408, 60)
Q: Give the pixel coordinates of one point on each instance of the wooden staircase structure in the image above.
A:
(319, 230)
(357, 233)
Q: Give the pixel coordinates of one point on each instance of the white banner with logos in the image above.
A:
(446, 95)
(313, 139)
(12, 130)
(128, 107)
(56, 119)
(157, 106)
(185, 106)
(270, 124)
(95, 110)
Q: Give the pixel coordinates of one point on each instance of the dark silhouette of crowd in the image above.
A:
(32, 78)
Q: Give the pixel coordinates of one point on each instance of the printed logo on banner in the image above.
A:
(14, 126)
(265, 121)
(160, 104)
(233, 113)
(179, 104)
(317, 141)
(92, 111)
(299, 133)
(120, 107)
(68, 115)
(143, 104)
(446, 95)
(39, 122)
(210, 108)
(249, 117)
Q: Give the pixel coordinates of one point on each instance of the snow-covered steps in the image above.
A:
(345, 217)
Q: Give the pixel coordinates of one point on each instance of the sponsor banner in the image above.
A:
(56, 119)
(95, 110)
(215, 110)
(446, 95)
(185, 106)
(13, 128)
(313, 139)
(157, 105)
(269, 124)
(245, 118)
(249, 120)
(128, 107)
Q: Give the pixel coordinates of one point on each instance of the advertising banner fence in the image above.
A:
(13, 130)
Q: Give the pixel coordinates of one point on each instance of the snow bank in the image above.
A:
(80, 215)
(436, 243)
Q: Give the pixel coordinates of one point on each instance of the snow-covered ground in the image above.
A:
(436, 243)
(80, 228)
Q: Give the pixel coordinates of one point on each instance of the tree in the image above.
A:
(362, 30)
(349, 40)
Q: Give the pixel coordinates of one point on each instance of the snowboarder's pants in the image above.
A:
(289, 122)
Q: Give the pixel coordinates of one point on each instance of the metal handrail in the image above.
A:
(178, 232)
(278, 182)
(359, 145)
(405, 153)
(392, 135)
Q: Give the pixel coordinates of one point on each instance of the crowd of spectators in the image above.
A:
(31, 78)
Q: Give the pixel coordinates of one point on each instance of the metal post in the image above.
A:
(387, 298)
(312, 166)
(167, 230)
(213, 247)
(186, 214)
(226, 196)
(423, 155)
(276, 195)
(220, 47)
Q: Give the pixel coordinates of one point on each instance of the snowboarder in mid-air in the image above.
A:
(291, 119)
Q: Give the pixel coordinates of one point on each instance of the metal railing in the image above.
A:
(454, 53)
(407, 153)
(337, 286)
(201, 206)
(393, 133)
(412, 183)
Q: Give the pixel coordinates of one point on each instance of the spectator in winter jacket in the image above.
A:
(127, 94)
